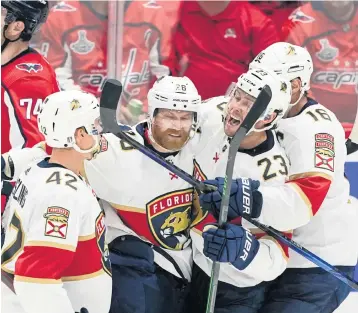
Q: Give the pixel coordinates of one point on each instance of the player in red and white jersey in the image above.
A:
(313, 202)
(328, 30)
(55, 240)
(27, 78)
(77, 47)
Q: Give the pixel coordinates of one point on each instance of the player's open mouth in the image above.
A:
(233, 120)
(174, 135)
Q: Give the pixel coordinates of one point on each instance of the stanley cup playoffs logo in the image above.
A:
(169, 218)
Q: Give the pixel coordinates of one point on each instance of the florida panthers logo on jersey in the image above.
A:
(169, 218)
(101, 242)
(30, 67)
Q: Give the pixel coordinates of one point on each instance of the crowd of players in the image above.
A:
(149, 243)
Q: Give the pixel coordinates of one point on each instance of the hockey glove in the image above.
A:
(231, 244)
(245, 199)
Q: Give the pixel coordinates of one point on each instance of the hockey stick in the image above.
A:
(352, 142)
(108, 105)
(114, 128)
(257, 109)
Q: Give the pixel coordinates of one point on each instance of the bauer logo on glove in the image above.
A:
(245, 198)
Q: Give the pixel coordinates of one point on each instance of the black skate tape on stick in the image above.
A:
(109, 102)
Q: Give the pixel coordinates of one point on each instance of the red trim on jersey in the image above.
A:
(55, 263)
(315, 188)
(283, 246)
(43, 262)
(87, 259)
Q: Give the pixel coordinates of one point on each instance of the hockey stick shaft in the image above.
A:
(257, 109)
(109, 106)
(304, 252)
(352, 142)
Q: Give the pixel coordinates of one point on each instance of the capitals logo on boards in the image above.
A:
(169, 218)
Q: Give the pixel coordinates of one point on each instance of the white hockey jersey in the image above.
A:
(266, 163)
(142, 198)
(314, 201)
(145, 199)
(55, 243)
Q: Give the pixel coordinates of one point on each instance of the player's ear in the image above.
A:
(79, 135)
(267, 120)
(14, 30)
(296, 86)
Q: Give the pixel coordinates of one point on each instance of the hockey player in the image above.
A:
(55, 241)
(27, 78)
(148, 209)
(250, 258)
(314, 200)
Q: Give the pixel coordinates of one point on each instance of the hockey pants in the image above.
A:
(139, 285)
(306, 290)
(229, 299)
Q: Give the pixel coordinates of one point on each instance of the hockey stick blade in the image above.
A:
(255, 112)
(108, 106)
(109, 100)
(352, 142)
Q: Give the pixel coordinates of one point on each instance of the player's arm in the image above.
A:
(264, 32)
(242, 252)
(57, 52)
(14, 162)
(316, 156)
(49, 248)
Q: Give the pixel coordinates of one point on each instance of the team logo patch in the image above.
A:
(56, 222)
(102, 244)
(230, 33)
(75, 104)
(327, 53)
(324, 151)
(63, 7)
(299, 16)
(82, 45)
(169, 218)
(30, 67)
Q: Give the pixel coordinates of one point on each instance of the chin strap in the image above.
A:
(93, 149)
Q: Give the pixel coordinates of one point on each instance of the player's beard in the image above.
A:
(170, 139)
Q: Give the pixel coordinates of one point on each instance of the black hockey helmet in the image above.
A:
(32, 13)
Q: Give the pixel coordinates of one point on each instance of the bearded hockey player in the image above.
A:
(249, 257)
(314, 200)
(27, 78)
(148, 209)
(55, 241)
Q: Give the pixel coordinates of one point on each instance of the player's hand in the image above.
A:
(231, 244)
(127, 118)
(245, 199)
